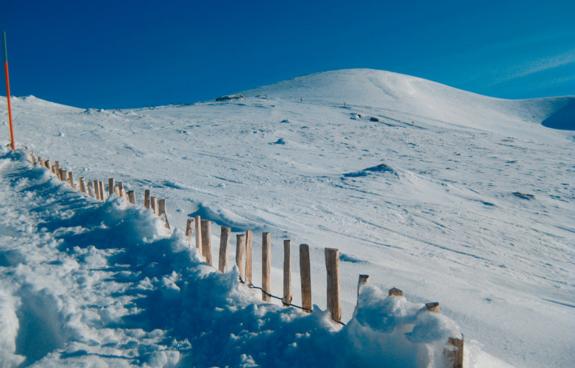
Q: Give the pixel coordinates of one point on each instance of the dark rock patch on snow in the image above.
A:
(381, 168)
(525, 196)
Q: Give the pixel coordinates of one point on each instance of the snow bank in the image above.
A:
(99, 283)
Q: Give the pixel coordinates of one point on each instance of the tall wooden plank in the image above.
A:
(101, 188)
(305, 276)
(96, 191)
(198, 228)
(332, 268)
(131, 197)
(189, 230)
(454, 352)
(249, 256)
(111, 186)
(70, 179)
(287, 296)
(206, 240)
(147, 199)
(266, 265)
(154, 205)
(240, 250)
(82, 184)
(162, 212)
(224, 235)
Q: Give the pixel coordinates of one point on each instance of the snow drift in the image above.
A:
(104, 284)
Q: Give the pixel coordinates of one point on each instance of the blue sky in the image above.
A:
(142, 53)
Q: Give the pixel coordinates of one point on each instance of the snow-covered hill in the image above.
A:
(449, 195)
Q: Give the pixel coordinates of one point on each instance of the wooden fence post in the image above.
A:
(189, 230)
(71, 179)
(249, 256)
(131, 197)
(266, 265)
(162, 212)
(154, 205)
(224, 235)
(305, 275)
(101, 189)
(454, 352)
(240, 249)
(198, 228)
(332, 267)
(147, 199)
(62, 174)
(96, 191)
(206, 240)
(287, 297)
(362, 280)
(82, 184)
(111, 186)
(120, 187)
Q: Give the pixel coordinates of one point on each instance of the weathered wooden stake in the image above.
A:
(249, 256)
(332, 267)
(121, 190)
(147, 198)
(240, 250)
(71, 179)
(62, 174)
(153, 205)
(305, 275)
(454, 352)
(266, 265)
(360, 282)
(206, 240)
(287, 296)
(189, 229)
(162, 212)
(433, 307)
(131, 197)
(95, 188)
(101, 189)
(198, 226)
(224, 235)
(82, 184)
(111, 186)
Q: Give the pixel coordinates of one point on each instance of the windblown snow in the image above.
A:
(451, 196)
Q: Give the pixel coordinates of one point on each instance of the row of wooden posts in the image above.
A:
(201, 228)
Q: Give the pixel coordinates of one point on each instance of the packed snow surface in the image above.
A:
(448, 195)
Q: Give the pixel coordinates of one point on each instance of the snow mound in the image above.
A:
(420, 97)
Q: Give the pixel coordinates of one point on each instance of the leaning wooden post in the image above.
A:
(162, 212)
(332, 267)
(287, 297)
(224, 235)
(82, 184)
(121, 190)
(454, 352)
(147, 199)
(131, 197)
(189, 230)
(62, 174)
(110, 186)
(305, 275)
(249, 256)
(206, 240)
(198, 226)
(240, 249)
(266, 265)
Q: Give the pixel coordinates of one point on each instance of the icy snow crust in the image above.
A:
(91, 284)
(416, 183)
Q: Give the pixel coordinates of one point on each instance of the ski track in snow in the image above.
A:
(443, 225)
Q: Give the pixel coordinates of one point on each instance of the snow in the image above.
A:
(428, 207)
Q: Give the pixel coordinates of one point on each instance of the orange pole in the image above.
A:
(10, 125)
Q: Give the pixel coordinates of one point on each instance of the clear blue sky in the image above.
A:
(127, 53)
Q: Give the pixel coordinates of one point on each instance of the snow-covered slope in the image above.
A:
(449, 195)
